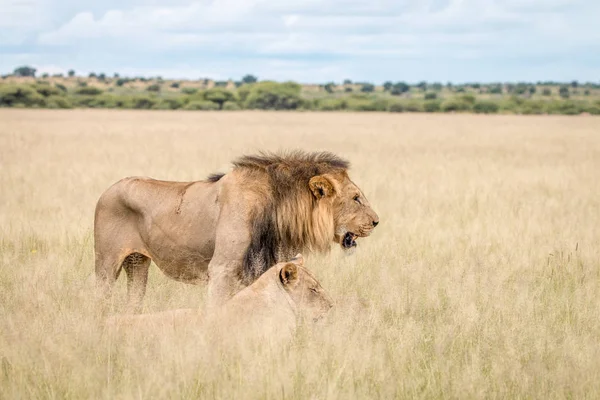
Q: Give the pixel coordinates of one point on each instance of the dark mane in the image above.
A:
(289, 174)
(215, 177)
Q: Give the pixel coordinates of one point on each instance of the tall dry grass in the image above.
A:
(482, 280)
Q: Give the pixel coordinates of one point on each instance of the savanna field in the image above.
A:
(482, 279)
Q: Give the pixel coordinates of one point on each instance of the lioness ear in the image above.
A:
(321, 186)
(298, 260)
(288, 274)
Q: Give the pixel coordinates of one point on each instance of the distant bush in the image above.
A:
(249, 79)
(201, 105)
(61, 87)
(331, 104)
(431, 106)
(175, 85)
(121, 81)
(367, 88)
(485, 107)
(413, 106)
(143, 102)
(387, 86)
(46, 90)
(365, 104)
(155, 87)
(329, 87)
(189, 90)
(88, 91)
(566, 107)
(396, 107)
(58, 102)
(495, 89)
(564, 92)
(455, 104)
(268, 95)
(399, 88)
(546, 92)
(532, 107)
(20, 96)
(219, 96)
(231, 106)
(430, 96)
(348, 89)
(171, 103)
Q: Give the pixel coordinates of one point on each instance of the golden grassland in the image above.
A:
(482, 280)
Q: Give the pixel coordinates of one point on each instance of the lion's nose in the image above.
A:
(375, 223)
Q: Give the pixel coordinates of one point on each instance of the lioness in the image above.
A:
(272, 305)
(228, 229)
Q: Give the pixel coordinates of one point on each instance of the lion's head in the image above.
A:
(353, 216)
(310, 203)
(310, 299)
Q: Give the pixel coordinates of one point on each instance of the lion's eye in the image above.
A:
(313, 289)
(357, 199)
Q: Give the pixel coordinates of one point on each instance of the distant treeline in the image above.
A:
(98, 91)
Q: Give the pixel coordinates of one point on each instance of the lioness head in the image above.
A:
(352, 214)
(310, 298)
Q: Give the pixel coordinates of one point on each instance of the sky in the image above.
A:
(309, 41)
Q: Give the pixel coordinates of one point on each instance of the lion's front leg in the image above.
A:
(225, 270)
(223, 282)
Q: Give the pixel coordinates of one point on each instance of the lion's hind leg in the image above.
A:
(136, 267)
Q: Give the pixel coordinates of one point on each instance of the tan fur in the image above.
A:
(227, 230)
(273, 305)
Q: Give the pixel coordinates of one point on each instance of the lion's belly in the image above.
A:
(190, 269)
(182, 250)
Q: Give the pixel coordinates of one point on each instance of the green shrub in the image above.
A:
(175, 85)
(201, 105)
(143, 102)
(61, 87)
(396, 107)
(58, 102)
(121, 81)
(88, 91)
(430, 96)
(155, 87)
(431, 106)
(46, 90)
(495, 89)
(533, 107)
(171, 103)
(219, 96)
(413, 106)
(367, 88)
(485, 107)
(546, 92)
(455, 104)
(268, 95)
(348, 89)
(566, 107)
(189, 90)
(231, 106)
(331, 104)
(398, 88)
(564, 92)
(361, 104)
(20, 96)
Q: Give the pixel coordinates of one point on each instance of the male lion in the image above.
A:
(228, 229)
(271, 306)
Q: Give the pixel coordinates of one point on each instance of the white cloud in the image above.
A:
(174, 36)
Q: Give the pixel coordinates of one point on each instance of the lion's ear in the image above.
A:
(298, 260)
(321, 186)
(288, 274)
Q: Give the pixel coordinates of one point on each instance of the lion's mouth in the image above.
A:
(349, 240)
